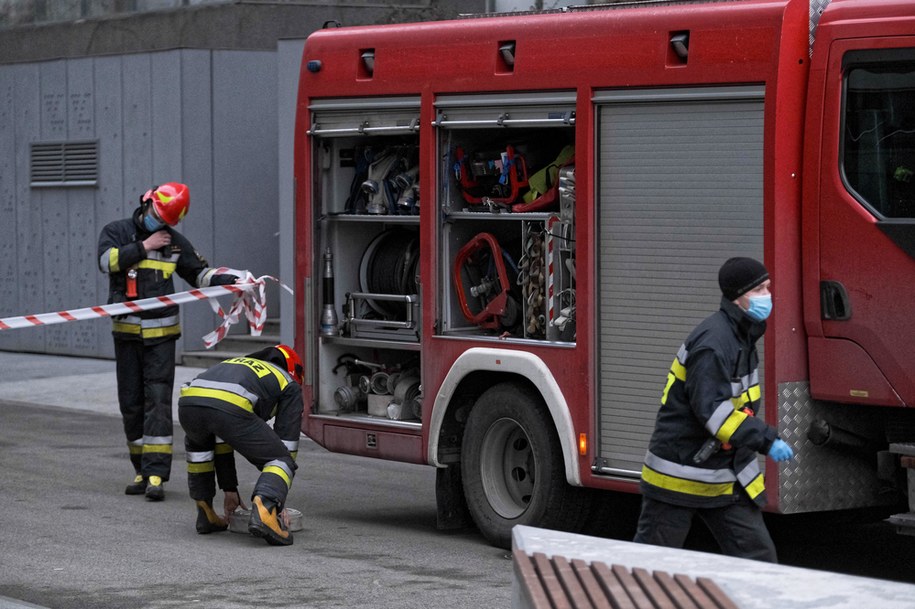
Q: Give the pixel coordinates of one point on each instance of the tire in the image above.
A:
(512, 467)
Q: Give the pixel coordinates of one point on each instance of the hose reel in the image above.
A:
(387, 303)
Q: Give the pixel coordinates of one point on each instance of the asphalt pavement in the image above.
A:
(71, 539)
(75, 383)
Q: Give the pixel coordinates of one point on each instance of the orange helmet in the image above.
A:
(170, 201)
(293, 363)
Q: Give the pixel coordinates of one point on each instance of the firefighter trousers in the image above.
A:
(738, 527)
(210, 436)
(146, 377)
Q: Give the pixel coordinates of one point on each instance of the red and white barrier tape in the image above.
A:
(250, 299)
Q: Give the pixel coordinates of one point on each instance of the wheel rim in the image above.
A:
(507, 468)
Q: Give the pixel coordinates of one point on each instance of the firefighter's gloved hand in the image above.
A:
(225, 279)
(780, 451)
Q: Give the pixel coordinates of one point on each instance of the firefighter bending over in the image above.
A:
(702, 456)
(227, 407)
(141, 254)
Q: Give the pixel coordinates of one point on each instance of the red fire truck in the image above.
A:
(507, 225)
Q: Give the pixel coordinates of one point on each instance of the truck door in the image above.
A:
(860, 224)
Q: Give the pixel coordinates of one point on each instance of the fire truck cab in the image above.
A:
(507, 225)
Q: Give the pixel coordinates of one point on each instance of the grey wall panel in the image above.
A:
(245, 164)
(680, 191)
(82, 232)
(27, 128)
(197, 153)
(52, 203)
(27, 121)
(9, 204)
(111, 202)
(165, 108)
(137, 127)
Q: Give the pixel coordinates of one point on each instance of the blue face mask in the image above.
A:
(760, 307)
(151, 224)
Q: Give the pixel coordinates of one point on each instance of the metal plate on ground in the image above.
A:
(238, 520)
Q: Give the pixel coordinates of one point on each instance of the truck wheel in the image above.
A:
(512, 467)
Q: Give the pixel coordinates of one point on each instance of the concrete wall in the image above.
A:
(203, 95)
(206, 118)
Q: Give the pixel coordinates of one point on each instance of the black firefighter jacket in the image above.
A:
(243, 386)
(120, 250)
(712, 382)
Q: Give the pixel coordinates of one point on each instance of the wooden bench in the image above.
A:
(557, 583)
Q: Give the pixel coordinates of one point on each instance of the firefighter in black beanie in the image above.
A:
(701, 460)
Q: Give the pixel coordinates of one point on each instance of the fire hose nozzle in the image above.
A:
(483, 289)
(329, 319)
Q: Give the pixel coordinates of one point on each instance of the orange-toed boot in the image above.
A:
(266, 523)
(207, 520)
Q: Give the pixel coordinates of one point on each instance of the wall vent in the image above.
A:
(64, 164)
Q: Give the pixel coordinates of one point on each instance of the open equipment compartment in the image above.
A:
(366, 156)
(506, 202)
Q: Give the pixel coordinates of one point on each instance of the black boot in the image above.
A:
(207, 520)
(265, 522)
(154, 489)
(137, 487)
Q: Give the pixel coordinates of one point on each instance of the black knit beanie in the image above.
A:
(738, 276)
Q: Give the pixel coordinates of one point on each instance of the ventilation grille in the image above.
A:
(64, 164)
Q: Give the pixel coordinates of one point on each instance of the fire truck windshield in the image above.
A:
(879, 131)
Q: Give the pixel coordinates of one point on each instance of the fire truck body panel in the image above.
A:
(547, 334)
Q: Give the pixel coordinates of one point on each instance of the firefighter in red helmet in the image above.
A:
(226, 408)
(140, 255)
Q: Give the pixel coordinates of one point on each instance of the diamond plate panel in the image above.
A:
(818, 478)
(816, 9)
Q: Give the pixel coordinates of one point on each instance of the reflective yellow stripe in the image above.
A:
(294, 454)
(260, 368)
(113, 261)
(125, 328)
(223, 449)
(279, 471)
(756, 487)
(135, 449)
(217, 394)
(167, 268)
(670, 381)
(755, 393)
(677, 373)
(160, 332)
(157, 448)
(730, 425)
(689, 487)
(678, 370)
(200, 468)
(750, 395)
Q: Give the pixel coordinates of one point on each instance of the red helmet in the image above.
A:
(170, 201)
(293, 363)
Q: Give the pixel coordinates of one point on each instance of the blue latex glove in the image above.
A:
(780, 451)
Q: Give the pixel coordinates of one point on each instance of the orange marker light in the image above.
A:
(582, 444)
